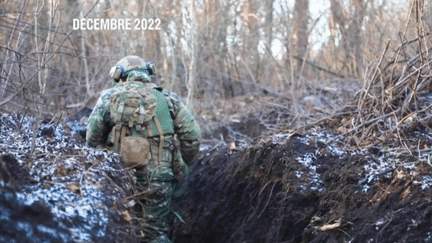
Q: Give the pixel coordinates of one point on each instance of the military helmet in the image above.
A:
(130, 63)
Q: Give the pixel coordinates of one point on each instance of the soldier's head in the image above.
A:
(132, 68)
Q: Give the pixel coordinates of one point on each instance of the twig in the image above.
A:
(411, 74)
(271, 192)
(361, 125)
(7, 52)
(373, 76)
(113, 183)
(384, 228)
(319, 68)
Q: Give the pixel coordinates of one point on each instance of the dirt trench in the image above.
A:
(306, 188)
(285, 186)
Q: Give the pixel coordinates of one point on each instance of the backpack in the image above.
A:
(134, 107)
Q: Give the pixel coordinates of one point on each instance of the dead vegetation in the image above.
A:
(396, 93)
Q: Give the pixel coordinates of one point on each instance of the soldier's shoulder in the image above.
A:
(104, 96)
(109, 91)
(171, 95)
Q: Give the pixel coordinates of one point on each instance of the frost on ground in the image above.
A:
(311, 186)
(309, 161)
(378, 163)
(81, 187)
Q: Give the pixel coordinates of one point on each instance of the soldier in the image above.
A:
(153, 132)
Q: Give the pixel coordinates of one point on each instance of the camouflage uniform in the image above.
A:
(155, 183)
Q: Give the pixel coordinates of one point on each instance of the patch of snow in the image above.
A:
(304, 140)
(308, 161)
(423, 134)
(278, 138)
(430, 98)
(88, 209)
(76, 126)
(4, 214)
(426, 182)
(410, 166)
(25, 227)
(374, 169)
(335, 151)
(324, 137)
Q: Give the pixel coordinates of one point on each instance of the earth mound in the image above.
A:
(55, 189)
(308, 187)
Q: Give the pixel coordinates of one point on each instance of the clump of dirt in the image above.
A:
(250, 127)
(12, 172)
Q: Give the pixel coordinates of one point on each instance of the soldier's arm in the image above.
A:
(98, 123)
(186, 128)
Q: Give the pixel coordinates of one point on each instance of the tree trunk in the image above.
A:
(350, 28)
(301, 33)
(354, 30)
(267, 73)
(250, 55)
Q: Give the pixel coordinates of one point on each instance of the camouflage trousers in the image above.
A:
(154, 207)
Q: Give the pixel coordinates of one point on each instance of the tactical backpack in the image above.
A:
(134, 108)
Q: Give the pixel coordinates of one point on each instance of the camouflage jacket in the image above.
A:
(183, 124)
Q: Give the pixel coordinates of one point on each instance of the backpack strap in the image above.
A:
(161, 137)
(149, 134)
(120, 132)
(119, 113)
(124, 131)
(116, 130)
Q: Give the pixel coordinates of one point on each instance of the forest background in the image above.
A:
(207, 51)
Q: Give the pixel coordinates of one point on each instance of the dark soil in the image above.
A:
(29, 223)
(63, 191)
(272, 192)
(12, 172)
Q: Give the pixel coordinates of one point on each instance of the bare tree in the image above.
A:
(301, 32)
(251, 38)
(212, 50)
(268, 29)
(350, 27)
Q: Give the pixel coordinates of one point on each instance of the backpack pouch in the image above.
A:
(135, 151)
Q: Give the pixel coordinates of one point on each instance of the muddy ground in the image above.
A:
(253, 181)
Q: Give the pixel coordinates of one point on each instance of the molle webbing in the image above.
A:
(120, 110)
(119, 113)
